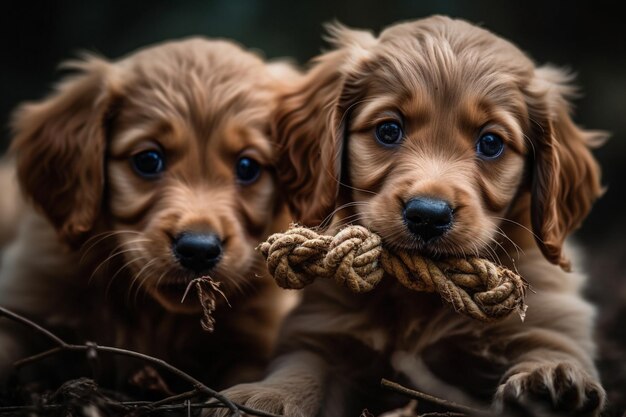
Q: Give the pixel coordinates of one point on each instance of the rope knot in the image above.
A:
(295, 258)
(355, 258)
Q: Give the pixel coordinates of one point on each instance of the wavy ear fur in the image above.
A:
(59, 144)
(566, 177)
(308, 126)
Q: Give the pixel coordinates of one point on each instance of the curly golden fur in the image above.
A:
(446, 83)
(95, 261)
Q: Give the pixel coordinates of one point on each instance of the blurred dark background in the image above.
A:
(587, 37)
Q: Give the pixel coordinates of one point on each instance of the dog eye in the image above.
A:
(148, 164)
(490, 145)
(248, 170)
(389, 133)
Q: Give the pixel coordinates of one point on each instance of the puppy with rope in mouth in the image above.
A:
(449, 141)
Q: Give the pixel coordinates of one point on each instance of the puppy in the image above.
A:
(445, 139)
(144, 174)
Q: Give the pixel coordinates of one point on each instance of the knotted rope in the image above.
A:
(355, 258)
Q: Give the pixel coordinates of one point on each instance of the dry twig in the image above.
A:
(206, 296)
(394, 386)
(91, 348)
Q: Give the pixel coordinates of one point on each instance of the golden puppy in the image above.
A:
(146, 173)
(446, 139)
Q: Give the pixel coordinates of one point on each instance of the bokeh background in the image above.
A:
(587, 37)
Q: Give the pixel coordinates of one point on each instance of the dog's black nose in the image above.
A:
(428, 217)
(198, 251)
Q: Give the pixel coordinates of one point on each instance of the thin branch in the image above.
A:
(174, 407)
(394, 386)
(40, 356)
(29, 408)
(185, 406)
(199, 387)
(180, 397)
(23, 320)
(135, 405)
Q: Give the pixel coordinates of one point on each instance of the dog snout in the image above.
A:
(428, 218)
(198, 252)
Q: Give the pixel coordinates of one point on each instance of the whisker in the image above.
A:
(328, 218)
(137, 277)
(110, 232)
(109, 284)
(158, 282)
(490, 251)
(115, 254)
(106, 236)
(521, 226)
(350, 187)
(518, 249)
(353, 218)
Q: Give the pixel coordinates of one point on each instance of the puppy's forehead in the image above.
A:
(460, 36)
(442, 57)
(194, 55)
(199, 81)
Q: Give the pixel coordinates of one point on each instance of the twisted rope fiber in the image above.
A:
(355, 258)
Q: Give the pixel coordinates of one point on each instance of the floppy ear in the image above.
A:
(59, 145)
(309, 127)
(566, 177)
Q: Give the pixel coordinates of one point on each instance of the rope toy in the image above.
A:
(355, 258)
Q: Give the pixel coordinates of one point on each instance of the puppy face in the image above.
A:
(436, 153)
(166, 153)
(435, 133)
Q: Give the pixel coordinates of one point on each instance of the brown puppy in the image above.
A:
(144, 174)
(446, 139)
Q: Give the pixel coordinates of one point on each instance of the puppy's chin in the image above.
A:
(169, 296)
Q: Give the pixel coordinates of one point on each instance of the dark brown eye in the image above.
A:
(490, 146)
(248, 170)
(148, 164)
(389, 133)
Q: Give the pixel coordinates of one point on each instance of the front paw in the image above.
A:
(560, 389)
(271, 398)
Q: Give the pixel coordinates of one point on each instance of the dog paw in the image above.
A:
(561, 389)
(267, 397)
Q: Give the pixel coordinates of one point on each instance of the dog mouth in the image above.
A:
(172, 296)
(174, 290)
(203, 290)
(436, 248)
(432, 250)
